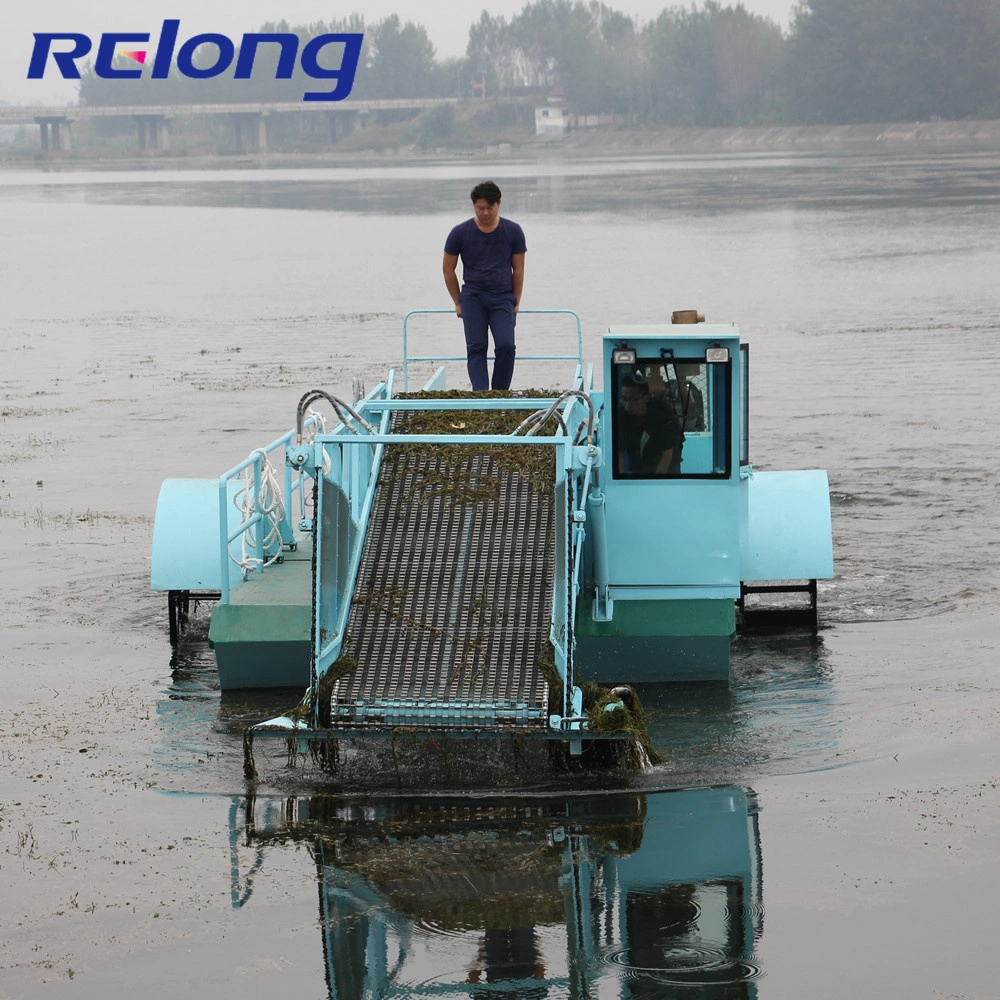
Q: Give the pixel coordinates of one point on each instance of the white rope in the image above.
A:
(318, 427)
(268, 501)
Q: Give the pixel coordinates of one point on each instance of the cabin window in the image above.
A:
(671, 419)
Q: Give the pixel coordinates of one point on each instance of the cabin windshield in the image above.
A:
(671, 419)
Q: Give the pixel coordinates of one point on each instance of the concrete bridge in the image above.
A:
(249, 120)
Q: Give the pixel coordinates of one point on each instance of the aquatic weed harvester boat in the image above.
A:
(475, 565)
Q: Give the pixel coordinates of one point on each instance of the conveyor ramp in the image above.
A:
(454, 596)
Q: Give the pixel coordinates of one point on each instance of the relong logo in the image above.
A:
(313, 60)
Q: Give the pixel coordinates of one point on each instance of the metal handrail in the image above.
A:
(407, 358)
(256, 460)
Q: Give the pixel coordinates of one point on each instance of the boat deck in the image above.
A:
(270, 614)
(286, 583)
(453, 603)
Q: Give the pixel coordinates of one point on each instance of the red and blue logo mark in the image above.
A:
(314, 58)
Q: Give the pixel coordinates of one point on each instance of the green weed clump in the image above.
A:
(471, 474)
(345, 664)
(627, 717)
(635, 753)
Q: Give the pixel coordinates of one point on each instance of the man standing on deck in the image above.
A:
(492, 251)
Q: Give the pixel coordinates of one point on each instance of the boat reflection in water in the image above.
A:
(625, 895)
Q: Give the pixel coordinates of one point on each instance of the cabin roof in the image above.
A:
(673, 331)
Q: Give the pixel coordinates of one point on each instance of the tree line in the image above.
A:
(841, 61)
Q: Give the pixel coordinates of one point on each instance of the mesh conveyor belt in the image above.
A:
(454, 597)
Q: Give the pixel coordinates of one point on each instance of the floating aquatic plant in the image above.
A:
(620, 711)
(608, 711)
(470, 474)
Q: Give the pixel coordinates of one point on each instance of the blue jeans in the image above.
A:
(482, 311)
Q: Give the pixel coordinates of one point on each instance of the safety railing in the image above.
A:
(292, 485)
(407, 357)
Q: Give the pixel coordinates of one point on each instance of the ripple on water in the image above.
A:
(688, 965)
(440, 929)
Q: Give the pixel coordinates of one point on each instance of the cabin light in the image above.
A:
(623, 356)
(716, 355)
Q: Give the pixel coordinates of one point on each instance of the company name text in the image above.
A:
(312, 60)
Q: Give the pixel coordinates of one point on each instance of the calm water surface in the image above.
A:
(839, 799)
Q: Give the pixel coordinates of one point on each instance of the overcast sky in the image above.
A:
(447, 23)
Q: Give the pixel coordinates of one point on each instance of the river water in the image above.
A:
(827, 825)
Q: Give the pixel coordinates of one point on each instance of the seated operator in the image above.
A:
(650, 438)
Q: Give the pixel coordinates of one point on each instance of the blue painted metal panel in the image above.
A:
(186, 542)
(337, 535)
(698, 455)
(673, 533)
(674, 593)
(788, 531)
(437, 382)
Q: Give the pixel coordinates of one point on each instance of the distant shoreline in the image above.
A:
(602, 141)
(785, 138)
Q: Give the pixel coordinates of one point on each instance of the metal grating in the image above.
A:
(454, 597)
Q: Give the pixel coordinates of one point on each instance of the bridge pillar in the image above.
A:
(341, 123)
(55, 132)
(152, 131)
(256, 129)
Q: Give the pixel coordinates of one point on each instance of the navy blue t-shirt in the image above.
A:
(486, 256)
